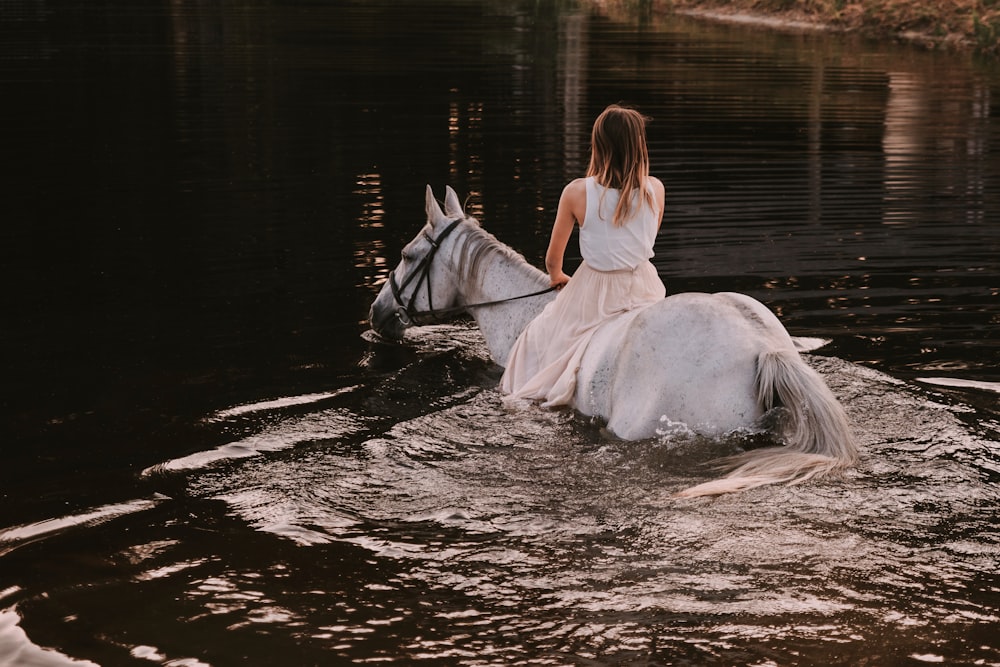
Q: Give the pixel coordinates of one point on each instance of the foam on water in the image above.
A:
(17, 649)
(535, 513)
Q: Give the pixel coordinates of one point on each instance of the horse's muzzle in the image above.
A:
(387, 324)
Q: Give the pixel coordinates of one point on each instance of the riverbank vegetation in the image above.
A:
(964, 24)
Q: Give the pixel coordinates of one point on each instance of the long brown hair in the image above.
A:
(619, 158)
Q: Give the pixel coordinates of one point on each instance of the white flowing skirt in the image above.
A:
(543, 364)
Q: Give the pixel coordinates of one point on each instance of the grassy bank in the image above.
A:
(963, 24)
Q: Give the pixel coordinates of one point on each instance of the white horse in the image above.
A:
(715, 362)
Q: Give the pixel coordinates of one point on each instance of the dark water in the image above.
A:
(205, 463)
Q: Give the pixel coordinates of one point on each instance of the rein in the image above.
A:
(405, 310)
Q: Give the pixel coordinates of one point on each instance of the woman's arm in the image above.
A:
(571, 211)
(659, 195)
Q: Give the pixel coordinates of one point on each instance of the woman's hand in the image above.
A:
(558, 279)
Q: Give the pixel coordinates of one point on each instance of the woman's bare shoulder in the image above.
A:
(574, 199)
(575, 192)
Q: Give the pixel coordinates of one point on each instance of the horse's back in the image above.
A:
(689, 358)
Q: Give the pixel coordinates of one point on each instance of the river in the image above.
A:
(206, 461)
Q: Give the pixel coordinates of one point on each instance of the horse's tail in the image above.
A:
(819, 439)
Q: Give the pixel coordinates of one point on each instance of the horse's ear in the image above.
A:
(434, 214)
(452, 207)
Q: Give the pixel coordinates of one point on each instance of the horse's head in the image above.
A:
(423, 282)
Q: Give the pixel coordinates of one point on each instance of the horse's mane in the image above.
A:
(478, 245)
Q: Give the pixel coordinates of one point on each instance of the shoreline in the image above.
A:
(766, 21)
(956, 25)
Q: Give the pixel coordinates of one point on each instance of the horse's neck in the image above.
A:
(504, 276)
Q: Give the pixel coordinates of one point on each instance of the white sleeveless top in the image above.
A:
(606, 247)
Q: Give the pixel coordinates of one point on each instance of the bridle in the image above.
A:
(406, 312)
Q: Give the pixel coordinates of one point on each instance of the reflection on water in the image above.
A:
(913, 131)
(207, 462)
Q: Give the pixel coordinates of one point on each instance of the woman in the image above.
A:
(619, 208)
